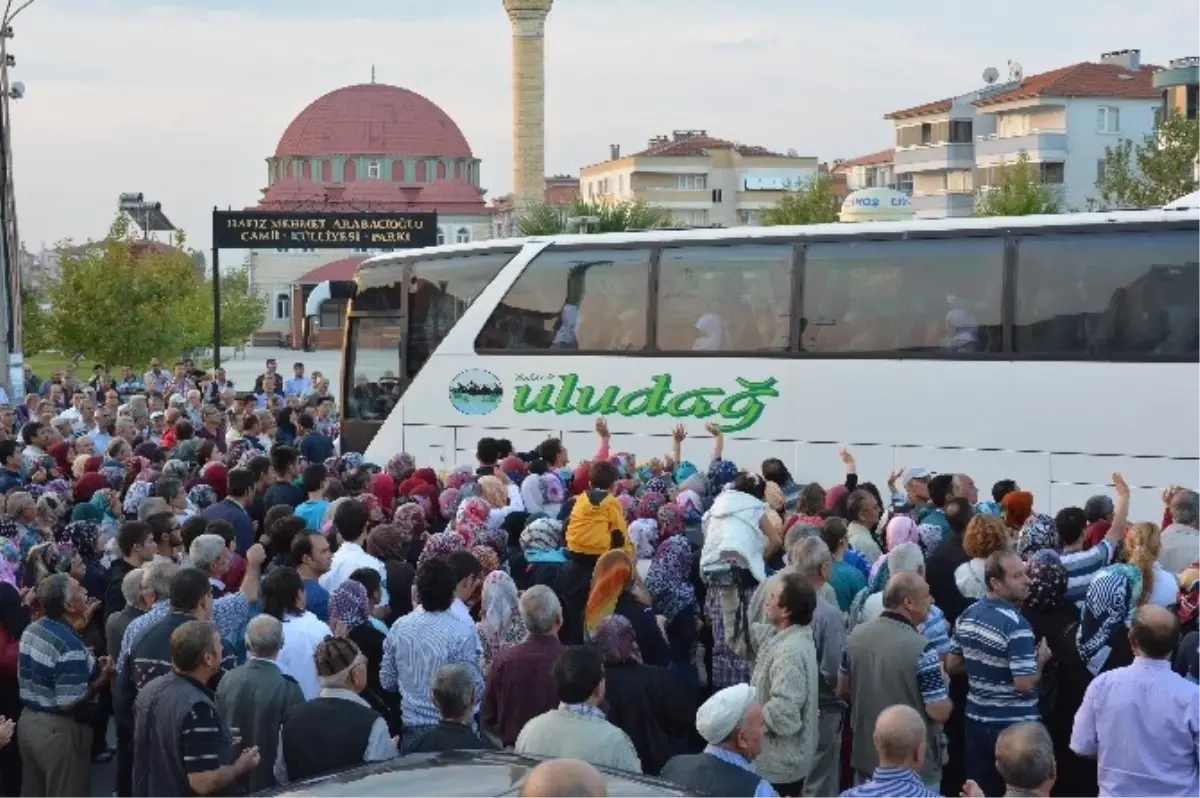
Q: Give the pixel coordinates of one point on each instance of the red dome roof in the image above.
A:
(449, 190)
(293, 189)
(373, 119)
(371, 190)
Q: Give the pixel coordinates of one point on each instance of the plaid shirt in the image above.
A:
(728, 668)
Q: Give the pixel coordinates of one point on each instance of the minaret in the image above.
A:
(528, 19)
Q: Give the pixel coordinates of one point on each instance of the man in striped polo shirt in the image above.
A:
(993, 644)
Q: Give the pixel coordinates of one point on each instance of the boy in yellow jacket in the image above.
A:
(597, 514)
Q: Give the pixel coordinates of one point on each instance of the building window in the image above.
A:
(926, 133)
(1051, 173)
(463, 236)
(691, 182)
(283, 306)
(441, 236)
(904, 182)
(373, 169)
(960, 131)
(621, 185)
(692, 218)
(1101, 165)
(716, 195)
(333, 314)
(1108, 119)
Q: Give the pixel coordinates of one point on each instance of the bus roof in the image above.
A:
(1177, 211)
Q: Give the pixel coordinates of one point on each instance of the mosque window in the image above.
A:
(463, 236)
(373, 169)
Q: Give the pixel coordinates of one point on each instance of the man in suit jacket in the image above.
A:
(256, 698)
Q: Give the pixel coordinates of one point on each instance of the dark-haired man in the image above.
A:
(285, 463)
(350, 518)
(136, 543)
(10, 466)
(421, 643)
(235, 508)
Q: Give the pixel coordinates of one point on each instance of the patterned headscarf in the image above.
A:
(670, 521)
(648, 505)
(1047, 581)
(114, 477)
(692, 506)
(442, 544)
(493, 491)
(178, 469)
(514, 468)
(84, 537)
(456, 479)
(499, 602)
(448, 503)
(1112, 600)
(489, 561)
(388, 542)
(427, 497)
(669, 578)
(401, 466)
(138, 492)
(348, 604)
(616, 641)
(1189, 593)
(371, 504)
(1038, 533)
(102, 500)
(624, 463)
(542, 534)
(409, 519)
(202, 496)
(496, 540)
(657, 485)
(644, 535)
(720, 474)
(628, 507)
(613, 573)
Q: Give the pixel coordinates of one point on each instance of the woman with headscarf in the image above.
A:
(500, 498)
(87, 540)
(643, 700)
(1037, 534)
(612, 593)
(1065, 678)
(285, 426)
(440, 545)
(542, 552)
(500, 624)
(21, 508)
(14, 617)
(542, 493)
(673, 597)
(86, 486)
(392, 545)
(349, 605)
(384, 488)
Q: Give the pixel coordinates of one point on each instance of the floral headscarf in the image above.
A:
(178, 469)
(389, 542)
(427, 497)
(401, 466)
(669, 578)
(629, 486)
(644, 535)
(348, 604)
(498, 604)
(628, 507)
(1037, 533)
(514, 468)
(1047, 581)
(493, 491)
(721, 473)
(409, 519)
(542, 534)
(84, 537)
(616, 641)
(138, 492)
(542, 493)
(10, 561)
(102, 500)
(442, 544)
(456, 479)
(202, 496)
(496, 540)
(670, 520)
(692, 505)
(114, 477)
(489, 561)
(448, 503)
(658, 485)
(624, 463)
(648, 505)
(1112, 600)
(371, 505)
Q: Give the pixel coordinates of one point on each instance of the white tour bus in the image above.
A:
(1053, 350)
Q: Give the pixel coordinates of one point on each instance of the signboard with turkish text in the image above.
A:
(317, 230)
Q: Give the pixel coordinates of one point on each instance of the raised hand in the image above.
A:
(679, 435)
(1120, 486)
(602, 428)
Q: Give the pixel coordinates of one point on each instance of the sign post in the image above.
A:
(256, 229)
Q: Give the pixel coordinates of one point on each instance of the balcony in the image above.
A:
(942, 205)
(665, 195)
(1041, 145)
(934, 157)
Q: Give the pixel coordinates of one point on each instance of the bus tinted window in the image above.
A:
(440, 292)
(733, 299)
(940, 295)
(374, 365)
(1109, 295)
(590, 300)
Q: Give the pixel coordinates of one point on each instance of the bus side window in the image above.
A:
(735, 298)
(586, 300)
(916, 295)
(1108, 295)
(440, 291)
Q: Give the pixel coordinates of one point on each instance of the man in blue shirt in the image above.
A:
(10, 466)
(900, 743)
(235, 508)
(313, 509)
(993, 645)
(314, 446)
(298, 385)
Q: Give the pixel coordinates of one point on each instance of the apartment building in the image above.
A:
(1062, 119)
(703, 180)
(1178, 84)
(874, 170)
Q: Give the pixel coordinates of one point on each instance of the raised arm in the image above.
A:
(1121, 513)
(851, 467)
(603, 434)
(718, 440)
(678, 436)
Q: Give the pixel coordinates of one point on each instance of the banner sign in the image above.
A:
(317, 230)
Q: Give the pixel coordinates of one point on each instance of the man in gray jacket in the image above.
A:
(256, 698)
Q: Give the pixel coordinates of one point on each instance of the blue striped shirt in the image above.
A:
(764, 788)
(416, 647)
(937, 631)
(891, 783)
(997, 643)
(1082, 567)
(138, 625)
(53, 666)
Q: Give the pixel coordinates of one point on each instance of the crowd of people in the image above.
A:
(250, 609)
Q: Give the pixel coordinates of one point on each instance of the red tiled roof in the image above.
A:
(935, 107)
(883, 156)
(1086, 79)
(373, 118)
(698, 145)
(338, 270)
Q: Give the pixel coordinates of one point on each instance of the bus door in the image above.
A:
(373, 355)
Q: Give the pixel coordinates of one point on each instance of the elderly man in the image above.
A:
(731, 722)
(338, 729)
(899, 739)
(1140, 721)
(1181, 540)
(908, 559)
(138, 596)
(519, 686)
(889, 660)
(181, 745)
(564, 777)
(454, 695)
(210, 554)
(1025, 759)
(257, 698)
(58, 677)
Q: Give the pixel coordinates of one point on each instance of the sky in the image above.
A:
(184, 100)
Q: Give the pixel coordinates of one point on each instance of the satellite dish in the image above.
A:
(991, 75)
(1015, 71)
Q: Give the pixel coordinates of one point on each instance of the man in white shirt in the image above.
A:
(351, 522)
(467, 570)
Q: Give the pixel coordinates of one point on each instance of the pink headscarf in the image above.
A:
(901, 529)
(833, 494)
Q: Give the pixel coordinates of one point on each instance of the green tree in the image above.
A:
(610, 216)
(1018, 192)
(814, 203)
(35, 329)
(1156, 172)
(243, 311)
(122, 300)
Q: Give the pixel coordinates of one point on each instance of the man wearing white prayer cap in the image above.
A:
(731, 721)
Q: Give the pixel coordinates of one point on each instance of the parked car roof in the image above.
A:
(457, 773)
